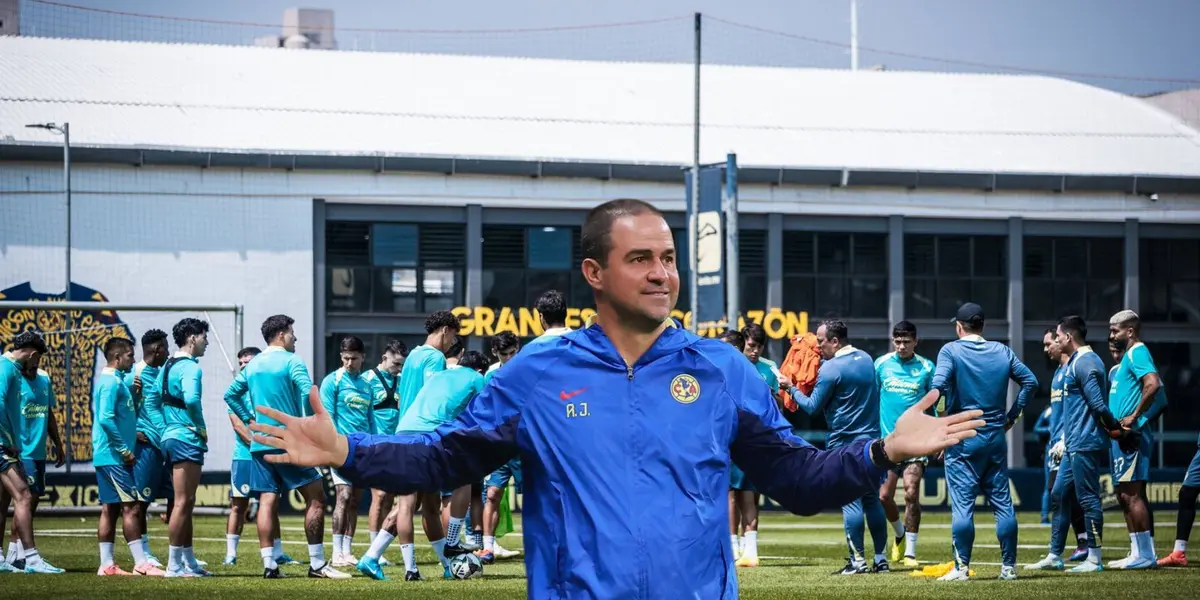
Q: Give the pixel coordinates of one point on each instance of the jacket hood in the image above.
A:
(595, 341)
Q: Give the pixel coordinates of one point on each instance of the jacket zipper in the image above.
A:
(642, 576)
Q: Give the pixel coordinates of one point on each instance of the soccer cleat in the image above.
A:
(150, 558)
(201, 564)
(413, 576)
(350, 558)
(384, 562)
(910, 562)
(1140, 563)
(229, 561)
(371, 568)
(1047, 564)
(469, 545)
(1008, 574)
(881, 566)
(747, 561)
(955, 575)
(327, 572)
(340, 562)
(273, 573)
(45, 568)
(113, 571)
(148, 570)
(18, 565)
(199, 571)
(486, 557)
(172, 574)
(503, 554)
(5, 567)
(284, 559)
(446, 574)
(1087, 566)
(1079, 554)
(452, 550)
(1120, 564)
(897, 548)
(1174, 559)
(853, 569)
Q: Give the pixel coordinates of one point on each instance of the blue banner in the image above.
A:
(709, 260)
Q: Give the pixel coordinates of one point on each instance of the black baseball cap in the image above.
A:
(968, 312)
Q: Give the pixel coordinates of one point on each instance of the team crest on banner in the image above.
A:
(685, 389)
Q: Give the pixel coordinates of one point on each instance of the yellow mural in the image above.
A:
(524, 322)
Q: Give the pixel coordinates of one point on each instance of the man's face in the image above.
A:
(753, 350)
(124, 358)
(506, 355)
(1115, 352)
(155, 354)
(245, 360)
(1051, 347)
(827, 347)
(199, 344)
(30, 366)
(392, 363)
(641, 279)
(289, 339)
(352, 361)
(447, 336)
(1120, 337)
(905, 345)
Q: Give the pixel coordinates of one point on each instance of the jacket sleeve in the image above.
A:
(106, 414)
(235, 398)
(1094, 393)
(1042, 426)
(483, 438)
(789, 470)
(301, 382)
(826, 382)
(1028, 382)
(328, 393)
(943, 372)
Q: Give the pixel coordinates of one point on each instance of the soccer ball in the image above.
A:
(465, 566)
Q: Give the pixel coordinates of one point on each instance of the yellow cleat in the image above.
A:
(747, 561)
(910, 562)
(897, 549)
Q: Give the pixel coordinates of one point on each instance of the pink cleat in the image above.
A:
(112, 571)
(1174, 559)
(148, 570)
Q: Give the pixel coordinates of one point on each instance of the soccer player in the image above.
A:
(438, 403)
(1086, 423)
(151, 471)
(185, 439)
(1056, 448)
(27, 348)
(384, 379)
(348, 397)
(114, 435)
(845, 393)
(973, 374)
(755, 341)
(902, 378)
(737, 340)
(37, 406)
(277, 378)
(620, 506)
(1132, 399)
(240, 471)
(504, 346)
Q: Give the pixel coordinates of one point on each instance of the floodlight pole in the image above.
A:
(693, 209)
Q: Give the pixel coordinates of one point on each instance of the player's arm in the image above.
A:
(239, 427)
(301, 381)
(822, 391)
(328, 391)
(52, 428)
(1147, 374)
(1021, 374)
(235, 399)
(1042, 426)
(106, 413)
(1095, 394)
(943, 375)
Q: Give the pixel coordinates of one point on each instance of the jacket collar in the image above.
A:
(593, 339)
(844, 351)
(972, 338)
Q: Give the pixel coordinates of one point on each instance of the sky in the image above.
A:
(1149, 39)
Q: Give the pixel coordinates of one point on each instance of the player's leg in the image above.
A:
(735, 521)
(147, 478)
(106, 533)
(4, 503)
(1132, 497)
(402, 524)
(265, 482)
(887, 498)
(914, 474)
(477, 513)
(1085, 474)
(381, 505)
(459, 502)
(878, 526)
(962, 483)
(1061, 511)
(238, 505)
(313, 492)
(186, 477)
(747, 503)
(496, 485)
(352, 526)
(343, 494)
(1188, 493)
(1048, 474)
(431, 522)
(35, 478)
(852, 524)
(998, 494)
(16, 485)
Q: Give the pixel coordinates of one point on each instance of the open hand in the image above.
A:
(917, 434)
(305, 441)
(1128, 422)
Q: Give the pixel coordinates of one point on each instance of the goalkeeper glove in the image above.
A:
(1057, 451)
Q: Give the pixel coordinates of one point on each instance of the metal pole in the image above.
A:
(694, 207)
(853, 35)
(238, 324)
(66, 131)
(732, 264)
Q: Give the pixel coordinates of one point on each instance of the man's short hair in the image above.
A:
(439, 319)
(474, 360)
(595, 238)
(455, 349)
(503, 342)
(1074, 326)
(734, 338)
(352, 343)
(396, 346)
(1050, 331)
(115, 345)
(553, 308)
(974, 325)
(836, 328)
(755, 333)
(249, 351)
(1127, 318)
(187, 327)
(275, 325)
(904, 329)
(154, 336)
(29, 339)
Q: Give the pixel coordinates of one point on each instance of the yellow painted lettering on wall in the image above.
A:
(573, 320)
(529, 321)
(524, 322)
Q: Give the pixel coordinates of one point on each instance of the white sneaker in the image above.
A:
(1008, 574)
(955, 575)
(327, 572)
(1047, 564)
(1120, 564)
(500, 552)
(338, 561)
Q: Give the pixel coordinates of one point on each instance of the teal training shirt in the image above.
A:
(444, 396)
(348, 400)
(276, 379)
(768, 374)
(151, 422)
(1125, 391)
(420, 365)
(241, 450)
(37, 400)
(184, 424)
(10, 403)
(387, 412)
(901, 384)
(114, 419)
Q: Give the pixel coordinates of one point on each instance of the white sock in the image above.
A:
(146, 545)
(277, 548)
(1094, 555)
(898, 527)
(1134, 550)
(1145, 545)
(12, 552)
(268, 558)
(410, 561)
(1053, 556)
(189, 558)
(1181, 546)
(735, 543)
(439, 547)
(910, 544)
(347, 543)
(231, 544)
(316, 556)
(380, 544)
(337, 544)
(489, 543)
(32, 557)
(174, 557)
(106, 554)
(454, 530)
(750, 544)
(372, 535)
(138, 552)
(477, 537)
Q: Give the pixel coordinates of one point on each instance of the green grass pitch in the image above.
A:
(799, 555)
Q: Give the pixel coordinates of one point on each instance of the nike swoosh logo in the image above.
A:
(567, 396)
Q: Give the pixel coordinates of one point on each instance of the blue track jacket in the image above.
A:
(626, 468)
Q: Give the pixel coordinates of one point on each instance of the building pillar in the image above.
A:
(1016, 329)
(474, 291)
(778, 348)
(1133, 264)
(895, 269)
(320, 285)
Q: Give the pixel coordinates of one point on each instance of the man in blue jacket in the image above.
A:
(625, 430)
(972, 375)
(846, 394)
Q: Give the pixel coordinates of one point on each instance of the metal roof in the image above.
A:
(249, 106)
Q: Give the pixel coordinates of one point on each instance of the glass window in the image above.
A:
(943, 272)
(835, 274)
(1065, 276)
(549, 248)
(1179, 367)
(394, 245)
(349, 289)
(1170, 280)
(409, 267)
